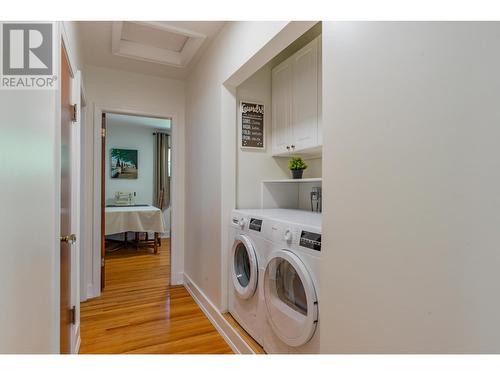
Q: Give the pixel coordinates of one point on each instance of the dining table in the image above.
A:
(135, 218)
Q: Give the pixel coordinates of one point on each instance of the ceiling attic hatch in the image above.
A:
(156, 42)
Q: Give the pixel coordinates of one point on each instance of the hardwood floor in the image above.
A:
(139, 312)
(254, 345)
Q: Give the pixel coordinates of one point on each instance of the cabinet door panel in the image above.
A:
(281, 103)
(304, 124)
(320, 93)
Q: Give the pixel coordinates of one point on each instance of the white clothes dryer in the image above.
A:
(290, 282)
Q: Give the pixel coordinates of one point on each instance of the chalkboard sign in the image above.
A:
(252, 125)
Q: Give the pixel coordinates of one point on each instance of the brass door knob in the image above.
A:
(71, 239)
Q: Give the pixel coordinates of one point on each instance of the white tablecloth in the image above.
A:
(134, 219)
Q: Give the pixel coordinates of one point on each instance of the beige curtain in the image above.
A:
(162, 180)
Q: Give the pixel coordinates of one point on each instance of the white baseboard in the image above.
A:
(228, 333)
(90, 292)
(78, 341)
(77, 346)
(179, 280)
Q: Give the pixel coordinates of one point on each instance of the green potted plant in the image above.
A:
(297, 166)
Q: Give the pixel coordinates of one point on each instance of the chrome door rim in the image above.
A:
(247, 291)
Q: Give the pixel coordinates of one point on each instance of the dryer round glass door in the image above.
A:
(291, 302)
(244, 267)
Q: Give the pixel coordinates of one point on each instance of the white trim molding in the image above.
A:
(144, 52)
(77, 341)
(228, 333)
(75, 98)
(177, 196)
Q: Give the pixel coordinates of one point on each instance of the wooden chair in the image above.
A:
(157, 239)
(155, 242)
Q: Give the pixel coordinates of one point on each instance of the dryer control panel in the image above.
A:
(310, 240)
(300, 237)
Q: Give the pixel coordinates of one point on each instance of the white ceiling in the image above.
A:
(143, 34)
(98, 51)
(148, 122)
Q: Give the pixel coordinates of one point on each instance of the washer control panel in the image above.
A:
(239, 221)
(255, 224)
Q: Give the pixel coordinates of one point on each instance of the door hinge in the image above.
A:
(73, 315)
(74, 112)
(103, 132)
(102, 262)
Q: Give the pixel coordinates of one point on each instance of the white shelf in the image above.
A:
(291, 180)
(288, 193)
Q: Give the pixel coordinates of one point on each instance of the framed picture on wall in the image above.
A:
(124, 163)
(251, 125)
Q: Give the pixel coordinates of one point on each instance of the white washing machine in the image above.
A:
(244, 300)
(290, 281)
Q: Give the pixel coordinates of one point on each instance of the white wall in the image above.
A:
(253, 166)
(240, 49)
(140, 138)
(125, 135)
(412, 179)
(29, 262)
(74, 39)
(147, 95)
(29, 219)
(234, 45)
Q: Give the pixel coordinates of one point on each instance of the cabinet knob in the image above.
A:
(288, 148)
(293, 146)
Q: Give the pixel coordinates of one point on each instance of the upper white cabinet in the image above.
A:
(296, 102)
(281, 105)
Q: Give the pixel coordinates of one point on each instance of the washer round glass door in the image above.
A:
(244, 270)
(291, 302)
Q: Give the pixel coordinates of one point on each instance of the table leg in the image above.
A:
(156, 243)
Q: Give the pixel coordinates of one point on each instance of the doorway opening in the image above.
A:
(137, 311)
(136, 177)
